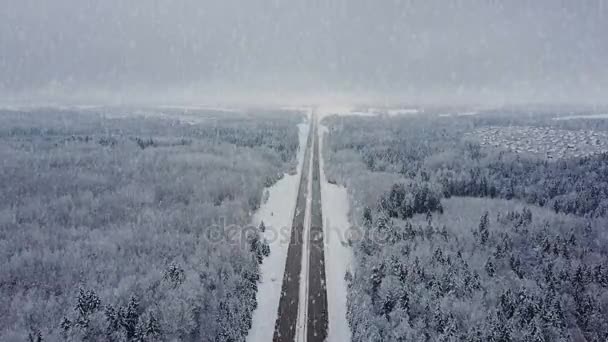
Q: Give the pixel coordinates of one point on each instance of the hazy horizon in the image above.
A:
(212, 52)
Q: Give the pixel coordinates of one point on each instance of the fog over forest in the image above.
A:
(192, 51)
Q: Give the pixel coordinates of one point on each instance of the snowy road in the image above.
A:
(317, 291)
(302, 295)
(302, 313)
(277, 213)
(289, 304)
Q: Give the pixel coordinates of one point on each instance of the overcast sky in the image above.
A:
(541, 50)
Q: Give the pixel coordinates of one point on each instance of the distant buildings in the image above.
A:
(546, 142)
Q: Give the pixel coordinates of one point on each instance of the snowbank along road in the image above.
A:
(302, 313)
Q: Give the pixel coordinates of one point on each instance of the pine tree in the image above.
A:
(376, 279)
(439, 320)
(600, 275)
(556, 206)
(489, 267)
(382, 224)
(404, 301)
(580, 278)
(129, 317)
(367, 217)
(438, 256)
(535, 334)
(113, 320)
(175, 275)
(444, 233)
(254, 246)
(259, 247)
(507, 304)
(588, 229)
(388, 305)
(528, 307)
(515, 264)
(265, 248)
(527, 215)
(65, 325)
(153, 330)
(34, 335)
(87, 303)
(547, 246)
(484, 234)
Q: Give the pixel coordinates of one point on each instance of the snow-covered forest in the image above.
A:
(455, 240)
(114, 227)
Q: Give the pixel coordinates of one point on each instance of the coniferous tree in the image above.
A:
(484, 234)
(489, 267)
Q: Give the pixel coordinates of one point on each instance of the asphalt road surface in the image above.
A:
(285, 326)
(316, 305)
(317, 292)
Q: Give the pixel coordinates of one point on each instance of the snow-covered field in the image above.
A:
(327, 110)
(342, 110)
(338, 255)
(402, 111)
(589, 116)
(346, 110)
(277, 214)
(469, 113)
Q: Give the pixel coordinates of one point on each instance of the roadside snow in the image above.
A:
(277, 214)
(338, 255)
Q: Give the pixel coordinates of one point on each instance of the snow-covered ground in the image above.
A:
(277, 215)
(588, 116)
(327, 110)
(341, 110)
(469, 113)
(402, 111)
(338, 255)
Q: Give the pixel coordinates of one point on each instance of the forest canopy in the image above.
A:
(465, 242)
(104, 222)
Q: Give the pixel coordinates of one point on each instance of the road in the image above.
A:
(317, 292)
(305, 320)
